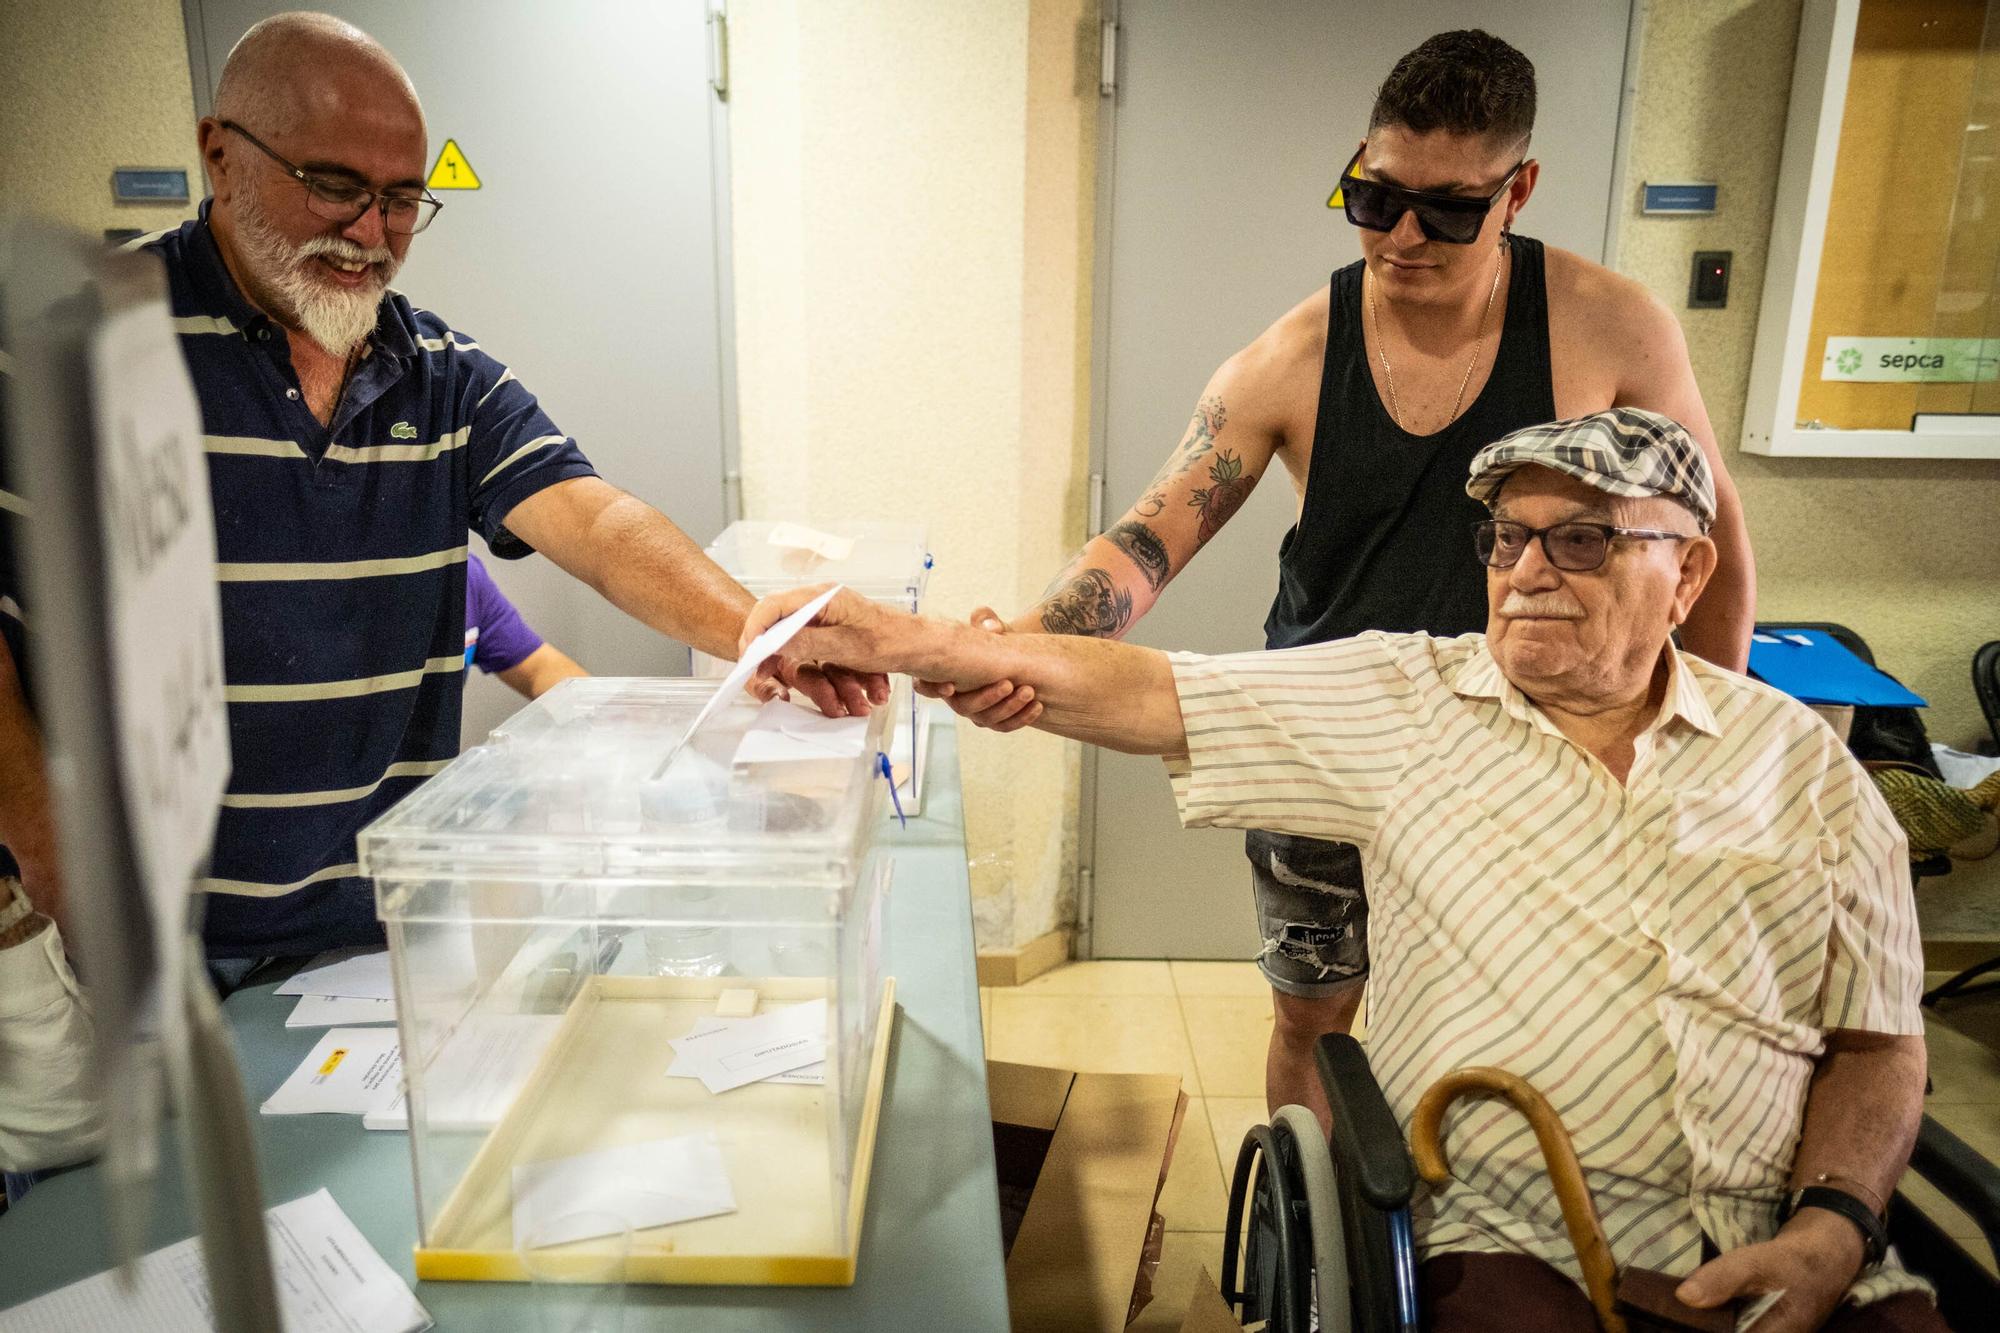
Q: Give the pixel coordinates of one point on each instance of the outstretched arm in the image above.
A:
(1116, 695)
(644, 565)
(1120, 573)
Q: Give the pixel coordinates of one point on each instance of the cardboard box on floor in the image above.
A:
(1207, 1312)
(1082, 1158)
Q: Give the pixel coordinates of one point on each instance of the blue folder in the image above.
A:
(1815, 668)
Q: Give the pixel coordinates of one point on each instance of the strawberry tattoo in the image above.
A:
(1225, 497)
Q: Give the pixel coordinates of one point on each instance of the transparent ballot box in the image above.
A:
(888, 563)
(642, 979)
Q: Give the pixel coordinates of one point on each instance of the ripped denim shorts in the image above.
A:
(1312, 911)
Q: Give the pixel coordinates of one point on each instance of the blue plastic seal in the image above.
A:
(888, 772)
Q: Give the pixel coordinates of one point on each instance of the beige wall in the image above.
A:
(1907, 552)
(92, 85)
(1904, 551)
(911, 192)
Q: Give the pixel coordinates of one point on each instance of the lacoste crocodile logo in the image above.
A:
(402, 430)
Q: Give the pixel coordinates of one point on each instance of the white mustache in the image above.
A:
(344, 250)
(1543, 606)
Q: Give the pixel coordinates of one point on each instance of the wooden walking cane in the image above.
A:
(1644, 1294)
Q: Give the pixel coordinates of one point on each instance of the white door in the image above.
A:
(1232, 121)
(589, 260)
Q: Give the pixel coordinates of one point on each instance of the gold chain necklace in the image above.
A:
(1389, 376)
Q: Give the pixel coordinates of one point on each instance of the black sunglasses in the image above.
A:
(1452, 218)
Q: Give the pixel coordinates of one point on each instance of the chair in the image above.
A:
(1986, 685)
(1930, 866)
(1331, 1219)
(1985, 688)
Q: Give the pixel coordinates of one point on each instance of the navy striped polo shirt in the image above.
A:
(341, 566)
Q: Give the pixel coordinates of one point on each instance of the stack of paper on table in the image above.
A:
(329, 1280)
(727, 1053)
(342, 986)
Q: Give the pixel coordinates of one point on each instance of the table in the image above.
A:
(930, 1245)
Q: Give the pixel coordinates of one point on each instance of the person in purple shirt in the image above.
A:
(499, 642)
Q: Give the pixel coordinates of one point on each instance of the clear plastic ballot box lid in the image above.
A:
(885, 562)
(573, 787)
(641, 978)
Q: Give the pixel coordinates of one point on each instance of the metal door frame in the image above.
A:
(1102, 262)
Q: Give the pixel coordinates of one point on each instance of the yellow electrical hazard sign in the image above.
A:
(452, 171)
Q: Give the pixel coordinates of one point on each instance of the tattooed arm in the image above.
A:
(1120, 573)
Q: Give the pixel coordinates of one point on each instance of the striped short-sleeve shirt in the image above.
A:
(341, 562)
(1661, 959)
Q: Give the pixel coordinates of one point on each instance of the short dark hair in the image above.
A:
(1466, 82)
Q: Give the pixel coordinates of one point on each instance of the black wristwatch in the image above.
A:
(1874, 1236)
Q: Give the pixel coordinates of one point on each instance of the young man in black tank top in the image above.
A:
(1374, 393)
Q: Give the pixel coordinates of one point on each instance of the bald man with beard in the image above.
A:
(354, 440)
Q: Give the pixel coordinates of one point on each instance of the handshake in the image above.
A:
(1099, 691)
(855, 637)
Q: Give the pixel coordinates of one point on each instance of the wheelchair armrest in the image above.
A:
(1367, 1142)
(1957, 1171)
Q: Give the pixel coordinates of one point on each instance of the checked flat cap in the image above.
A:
(1624, 451)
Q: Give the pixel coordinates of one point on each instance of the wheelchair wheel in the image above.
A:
(1284, 1183)
(1330, 1278)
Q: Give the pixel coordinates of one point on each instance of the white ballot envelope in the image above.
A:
(764, 645)
(351, 1071)
(357, 973)
(649, 1184)
(691, 1063)
(325, 1011)
(754, 1049)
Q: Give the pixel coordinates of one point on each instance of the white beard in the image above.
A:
(336, 320)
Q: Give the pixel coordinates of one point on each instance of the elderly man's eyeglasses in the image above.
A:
(341, 201)
(1575, 547)
(1452, 218)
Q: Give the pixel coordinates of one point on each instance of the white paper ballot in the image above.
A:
(351, 1071)
(330, 1280)
(473, 1081)
(756, 1048)
(357, 973)
(799, 537)
(648, 1184)
(325, 1011)
(690, 1062)
(783, 731)
(761, 647)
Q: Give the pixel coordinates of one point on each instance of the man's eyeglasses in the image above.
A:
(1452, 218)
(1575, 547)
(342, 201)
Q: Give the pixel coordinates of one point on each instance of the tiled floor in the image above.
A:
(1210, 1023)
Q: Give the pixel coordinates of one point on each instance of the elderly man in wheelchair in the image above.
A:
(1654, 903)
